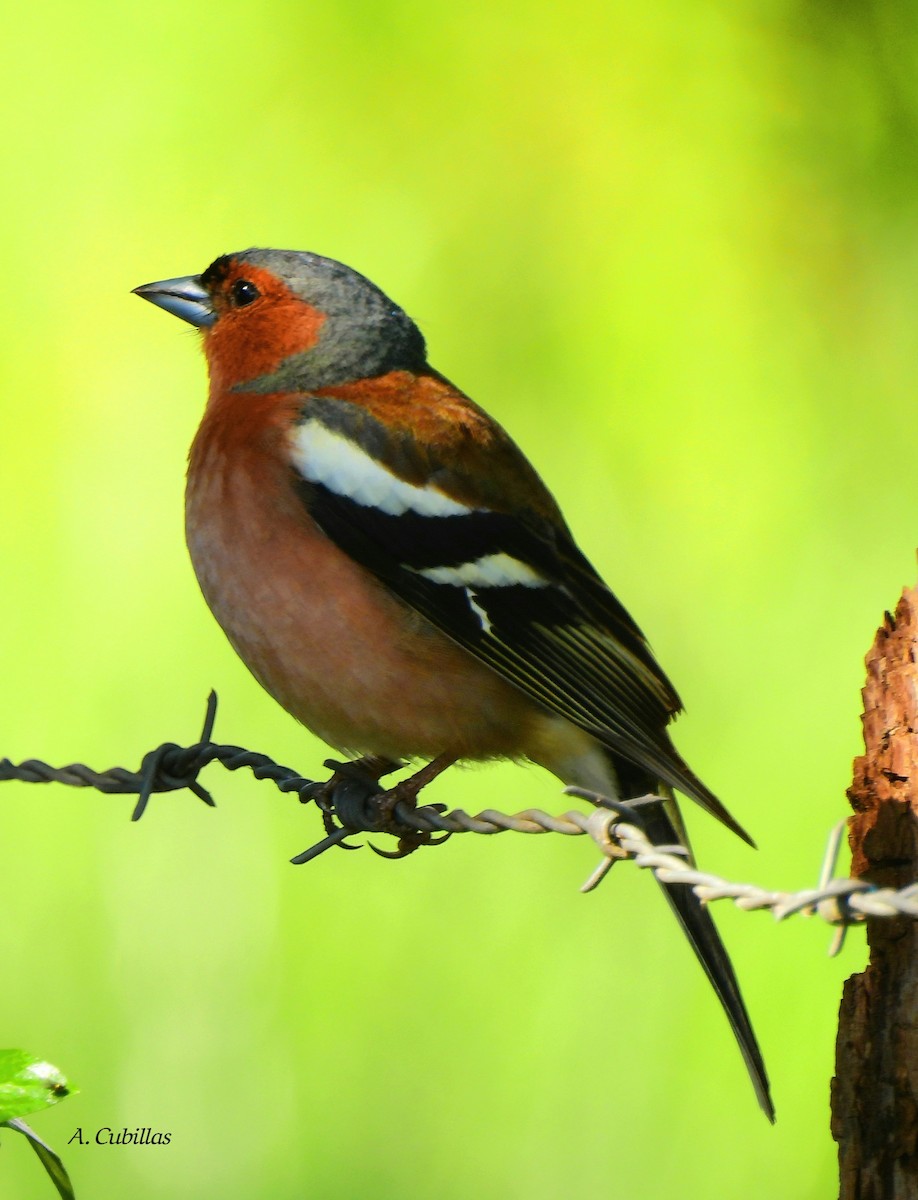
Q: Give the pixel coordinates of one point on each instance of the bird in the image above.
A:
(394, 572)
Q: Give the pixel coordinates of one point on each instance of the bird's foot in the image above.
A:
(406, 792)
(352, 791)
(353, 801)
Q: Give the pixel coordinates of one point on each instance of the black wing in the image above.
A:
(516, 592)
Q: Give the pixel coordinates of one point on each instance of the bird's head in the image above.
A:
(287, 320)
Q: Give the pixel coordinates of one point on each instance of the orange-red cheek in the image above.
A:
(245, 343)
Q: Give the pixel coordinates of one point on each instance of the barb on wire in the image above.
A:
(168, 768)
(353, 802)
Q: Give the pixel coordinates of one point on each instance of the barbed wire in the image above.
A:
(353, 802)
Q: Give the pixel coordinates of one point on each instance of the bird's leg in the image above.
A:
(407, 789)
(353, 796)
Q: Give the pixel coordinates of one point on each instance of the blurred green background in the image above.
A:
(673, 248)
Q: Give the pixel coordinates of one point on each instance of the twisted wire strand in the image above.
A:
(171, 767)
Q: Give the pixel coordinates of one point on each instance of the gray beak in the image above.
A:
(183, 297)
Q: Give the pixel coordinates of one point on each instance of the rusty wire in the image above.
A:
(352, 804)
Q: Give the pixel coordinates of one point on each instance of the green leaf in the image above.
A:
(28, 1084)
(49, 1159)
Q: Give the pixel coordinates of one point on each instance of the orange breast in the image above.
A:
(330, 643)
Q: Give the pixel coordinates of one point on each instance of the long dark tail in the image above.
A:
(602, 771)
(662, 827)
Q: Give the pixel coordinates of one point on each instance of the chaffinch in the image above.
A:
(394, 572)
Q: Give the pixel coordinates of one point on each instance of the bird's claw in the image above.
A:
(353, 801)
(408, 843)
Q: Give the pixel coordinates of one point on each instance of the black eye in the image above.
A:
(244, 292)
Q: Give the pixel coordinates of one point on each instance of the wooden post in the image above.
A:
(875, 1090)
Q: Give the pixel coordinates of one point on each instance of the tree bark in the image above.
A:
(875, 1090)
